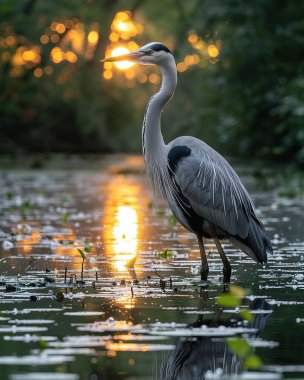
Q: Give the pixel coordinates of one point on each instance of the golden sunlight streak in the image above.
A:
(123, 223)
(122, 220)
(123, 65)
(125, 233)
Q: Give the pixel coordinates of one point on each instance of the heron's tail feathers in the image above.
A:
(256, 244)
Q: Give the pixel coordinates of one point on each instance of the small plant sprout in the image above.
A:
(166, 254)
(83, 256)
(87, 249)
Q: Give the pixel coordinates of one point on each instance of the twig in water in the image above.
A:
(157, 274)
(65, 274)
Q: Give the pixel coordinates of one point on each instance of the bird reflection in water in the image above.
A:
(198, 357)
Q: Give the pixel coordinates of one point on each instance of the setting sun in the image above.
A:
(123, 65)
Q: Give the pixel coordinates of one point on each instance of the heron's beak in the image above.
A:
(133, 56)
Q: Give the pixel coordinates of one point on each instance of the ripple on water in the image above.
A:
(44, 376)
(41, 359)
(83, 313)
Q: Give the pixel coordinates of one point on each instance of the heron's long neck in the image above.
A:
(153, 142)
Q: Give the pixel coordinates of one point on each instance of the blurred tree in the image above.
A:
(240, 64)
(259, 76)
(51, 97)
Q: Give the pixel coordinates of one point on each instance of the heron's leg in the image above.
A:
(227, 266)
(204, 267)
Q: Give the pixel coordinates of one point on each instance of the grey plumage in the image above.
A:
(218, 196)
(201, 188)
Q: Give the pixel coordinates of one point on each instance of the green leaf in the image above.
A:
(246, 314)
(239, 346)
(166, 254)
(228, 300)
(82, 253)
(64, 218)
(2, 261)
(88, 247)
(172, 220)
(253, 362)
(25, 206)
(43, 344)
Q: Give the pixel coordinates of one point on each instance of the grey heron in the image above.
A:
(200, 187)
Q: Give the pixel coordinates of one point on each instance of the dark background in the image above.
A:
(241, 70)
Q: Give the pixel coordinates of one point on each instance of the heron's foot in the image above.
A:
(227, 274)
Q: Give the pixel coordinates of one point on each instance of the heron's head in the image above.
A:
(153, 53)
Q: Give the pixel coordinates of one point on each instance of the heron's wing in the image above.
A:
(215, 192)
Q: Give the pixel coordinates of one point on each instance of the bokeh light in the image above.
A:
(69, 41)
(213, 51)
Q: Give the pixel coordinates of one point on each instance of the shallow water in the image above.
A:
(150, 321)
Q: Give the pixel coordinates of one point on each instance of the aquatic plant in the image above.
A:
(239, 345)
(83, 253)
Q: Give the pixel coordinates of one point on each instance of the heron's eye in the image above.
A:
(149, 52)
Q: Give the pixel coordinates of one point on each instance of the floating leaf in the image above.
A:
(172, 220)
(166, 254)
(228, 300)
(239, 346)
(253, 362)
(43, 344)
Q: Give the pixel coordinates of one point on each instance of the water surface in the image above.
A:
(150, 321)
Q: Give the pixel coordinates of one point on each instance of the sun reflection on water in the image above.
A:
(122, 218)
(123, 230)
(125, 234)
